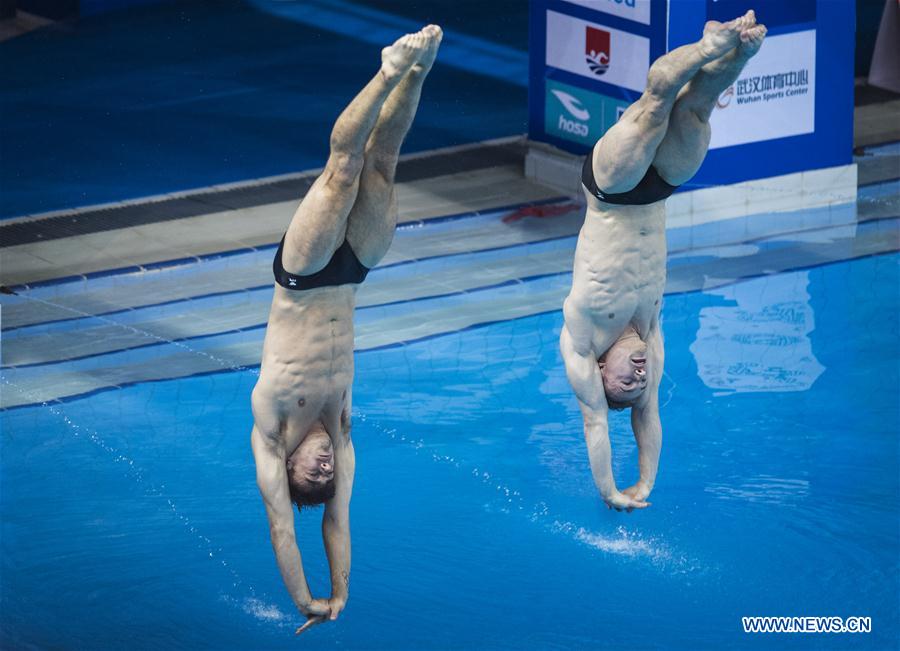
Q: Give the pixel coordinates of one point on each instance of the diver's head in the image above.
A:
(624, 369)
(310, 469)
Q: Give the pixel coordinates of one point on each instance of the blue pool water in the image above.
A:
(131, 517)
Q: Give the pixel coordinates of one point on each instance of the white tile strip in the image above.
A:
(798, 191)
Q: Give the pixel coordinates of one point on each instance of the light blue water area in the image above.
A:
(131, 518)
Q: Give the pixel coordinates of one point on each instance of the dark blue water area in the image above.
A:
(182, 95)
(131, 519)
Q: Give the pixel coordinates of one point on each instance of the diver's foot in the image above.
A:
(434, 34)
(397, 59)
(752, 40)
(720, 38)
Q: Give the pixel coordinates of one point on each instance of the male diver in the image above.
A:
(301, 403)
(611, 341)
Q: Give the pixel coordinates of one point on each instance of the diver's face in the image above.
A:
(625, 370)
(312, 463)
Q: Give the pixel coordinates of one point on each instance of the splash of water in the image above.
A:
(622, 543)
(265, 612)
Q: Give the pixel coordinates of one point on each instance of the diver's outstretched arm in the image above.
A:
(584, 376)
(645, 420)
(271, 477)
(336, 522)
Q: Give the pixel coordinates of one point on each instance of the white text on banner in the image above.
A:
(774, 97)
(636, 10)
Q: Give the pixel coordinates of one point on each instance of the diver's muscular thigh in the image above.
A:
(370, 228)
(318, 227)
(625, 152)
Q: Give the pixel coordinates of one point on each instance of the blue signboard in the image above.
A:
(790, 110)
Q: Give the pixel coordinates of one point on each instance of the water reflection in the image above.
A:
(760, 341)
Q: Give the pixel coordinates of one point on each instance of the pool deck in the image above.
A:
(451, 181)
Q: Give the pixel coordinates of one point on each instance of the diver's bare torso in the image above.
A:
(618, 279)
(620, 271)
(307, 364)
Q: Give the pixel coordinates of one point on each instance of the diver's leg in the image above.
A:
(684, 146)
(625, 152)
(370, 227)
(320, 222)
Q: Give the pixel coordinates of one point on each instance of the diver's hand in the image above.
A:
(640, 491)
(312, 621)
(621, 502)
(316, 608)
(317, 611)
(337, 605)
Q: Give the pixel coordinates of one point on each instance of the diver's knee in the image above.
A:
(344, 168)
(654, 113)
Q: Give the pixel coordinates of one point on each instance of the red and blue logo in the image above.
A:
(596, 49)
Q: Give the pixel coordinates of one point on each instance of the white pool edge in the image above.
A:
(805, 190)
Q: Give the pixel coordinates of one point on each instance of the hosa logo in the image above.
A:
(596, 49)
(577, 110)
(573, 113)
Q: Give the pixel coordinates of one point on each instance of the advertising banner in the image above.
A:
(579, 115)
(597, 52)
(588, 61)
(774, 97)
(791, 108)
